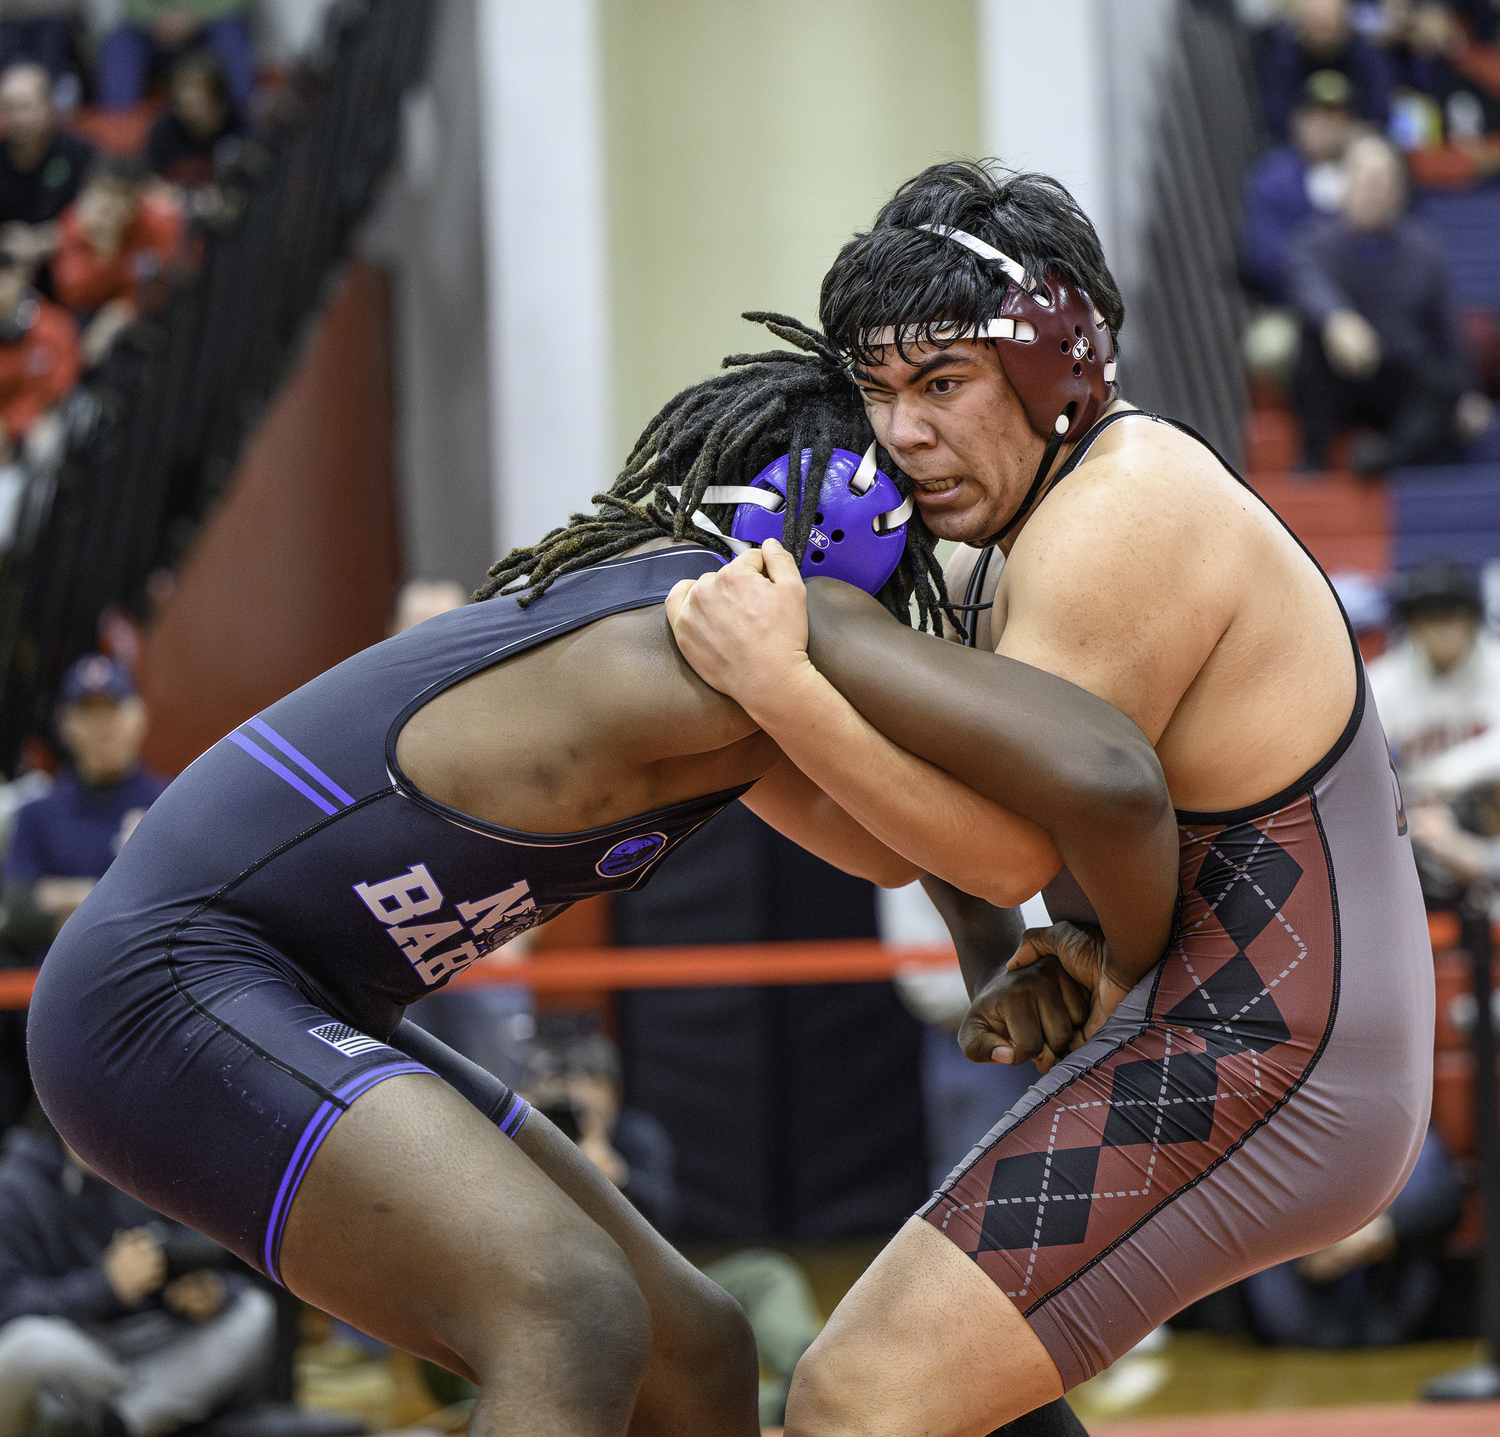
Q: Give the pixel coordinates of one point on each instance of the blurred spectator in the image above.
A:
(100, 1335)
(422, 599)
(1434, 102)
(193, 139)
(44, 32)
(1287, 186)
(1319, 35)
(158, 31)
(1482, 18)
(63, 843)
(114, 245)
(577, 1086)
(961, 1100)
(1382, 343)
(1378, 1286)
(41, 167)
(1438, 686)
(39, 355)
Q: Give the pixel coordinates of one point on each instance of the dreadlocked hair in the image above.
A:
(725, 431)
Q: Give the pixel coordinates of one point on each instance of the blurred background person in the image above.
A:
(1381, 339)
(200, 129)
(64, 842)
(46, 33)
(99, 1336)
(1434, 101)
(1378, 1286)
(155, 32)
(41, 166)
(1294, 182)
(1320, 35)
(961, 1101)
(115, 243)
(422, 599)
(40, 357)
(1438, 685)
(1284, 190)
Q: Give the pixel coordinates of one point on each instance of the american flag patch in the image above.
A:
(349, 1041)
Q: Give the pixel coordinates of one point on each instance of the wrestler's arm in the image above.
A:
(1046, 748)
(798, 809)
(908, 838)
(1037, 744)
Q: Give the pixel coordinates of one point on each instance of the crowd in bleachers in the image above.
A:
(112, 146)
(1356, 322)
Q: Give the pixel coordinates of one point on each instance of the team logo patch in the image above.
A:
(630, 854)
(818, 539)
(349, 1041)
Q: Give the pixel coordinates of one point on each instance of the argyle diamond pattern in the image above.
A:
(1166, 1101)
(1234, 1000)
(1040, 1199)
(1245, 879)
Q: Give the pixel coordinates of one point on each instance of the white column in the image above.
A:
(545, 260)
(1044, 95)
(1069, 87)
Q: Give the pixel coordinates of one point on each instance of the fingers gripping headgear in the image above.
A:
(1055, 347)
(859, 529)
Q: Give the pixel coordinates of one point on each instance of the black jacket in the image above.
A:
(55, 1223)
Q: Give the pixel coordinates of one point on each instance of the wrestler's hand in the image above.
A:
(743, 628)
(1035, 1012)
(1085, 956)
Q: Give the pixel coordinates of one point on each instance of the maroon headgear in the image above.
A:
(1055, 347)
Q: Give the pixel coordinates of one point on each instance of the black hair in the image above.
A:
(898, 275)
(725, 431)
(1436, 587)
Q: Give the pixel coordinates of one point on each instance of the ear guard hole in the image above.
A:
(816, 556)
(1064, 347)
(1077, 370)
(837, 536)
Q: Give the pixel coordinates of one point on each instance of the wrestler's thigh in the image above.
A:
(924, 1342)
(421, 1224)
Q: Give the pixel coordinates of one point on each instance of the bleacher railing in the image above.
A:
(155, 432)
(1181, 355)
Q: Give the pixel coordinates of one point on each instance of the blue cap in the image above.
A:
(95, 676)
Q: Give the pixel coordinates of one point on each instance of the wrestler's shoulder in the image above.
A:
(1144, 482)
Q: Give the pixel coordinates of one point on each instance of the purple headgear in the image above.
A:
(859, 525)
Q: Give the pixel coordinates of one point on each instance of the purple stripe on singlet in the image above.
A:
(516, 1114)
(281, 771)
(312, 1137)
(305, 764)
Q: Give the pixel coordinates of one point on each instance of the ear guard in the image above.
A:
(1055, 347)
(859, 531)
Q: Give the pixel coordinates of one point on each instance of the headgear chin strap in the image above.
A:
(1054, 346)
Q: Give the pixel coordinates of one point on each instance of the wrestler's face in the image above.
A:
(954, 424)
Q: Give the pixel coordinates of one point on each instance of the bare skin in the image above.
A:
(518, 1265)
(1150, 579)
(516, 1262)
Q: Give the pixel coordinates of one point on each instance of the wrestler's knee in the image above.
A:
(573, 1303)
(709, 1344)
(829, 1396)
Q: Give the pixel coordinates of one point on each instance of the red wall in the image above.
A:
(298, 566)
